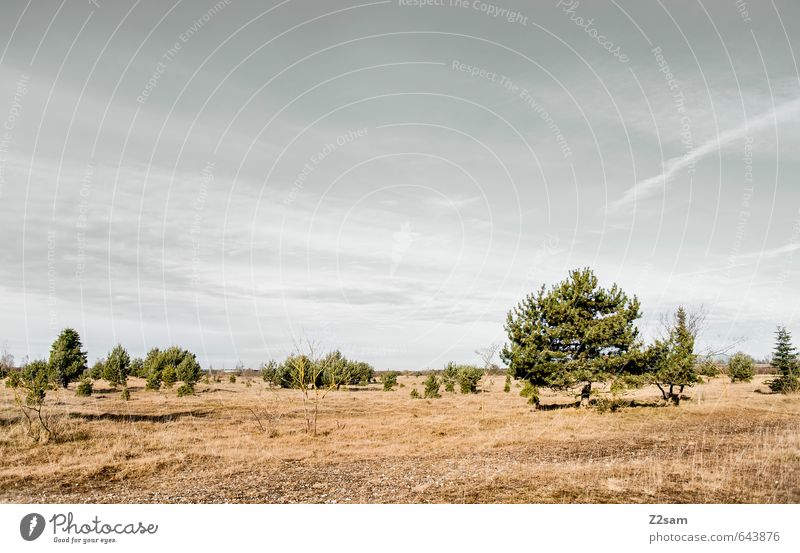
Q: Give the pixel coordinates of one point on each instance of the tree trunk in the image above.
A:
(675, 398)
(585, 393)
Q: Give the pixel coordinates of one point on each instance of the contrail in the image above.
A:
(651, 185)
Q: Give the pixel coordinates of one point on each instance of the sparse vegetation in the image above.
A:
(575, 336)
(277, 462)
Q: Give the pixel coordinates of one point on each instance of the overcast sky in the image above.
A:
(391, 179)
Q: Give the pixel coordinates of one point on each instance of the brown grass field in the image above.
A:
(727, 443)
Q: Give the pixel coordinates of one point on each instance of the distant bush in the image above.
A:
(708, 368)
(232, 379)
(269, 372)
(389, 380)
(466, 377)
(331, 371)
(507, 385)
(169, 366)
(84, 388)
(432, 385)
(185, 390)
(6, 363)
(741, 367)
(414, 393)
(125, 394)
(361, 372)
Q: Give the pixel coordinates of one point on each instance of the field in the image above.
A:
(247, 444)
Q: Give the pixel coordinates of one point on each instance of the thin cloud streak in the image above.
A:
(651, 185)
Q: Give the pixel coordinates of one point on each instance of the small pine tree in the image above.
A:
(126, 394)
(117, 367)
(741, 367)
(784, 360)
(232, 379)
(432, 385)
(468, 378)
(185, 390)
(389, 380)
(673, 359)
(67, 360)
(449, 377)
(507, 385)
(414, 393)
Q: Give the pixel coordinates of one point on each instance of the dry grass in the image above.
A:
(233, 443)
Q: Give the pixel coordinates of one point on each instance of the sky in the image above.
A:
(390, 178)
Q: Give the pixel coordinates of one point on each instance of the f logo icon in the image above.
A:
(31, 526)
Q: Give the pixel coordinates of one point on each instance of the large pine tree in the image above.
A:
(575, 334)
